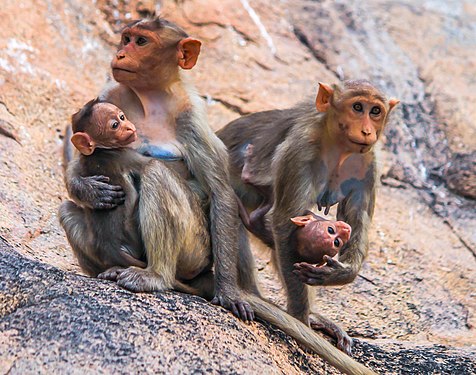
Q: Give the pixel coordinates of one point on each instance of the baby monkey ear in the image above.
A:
(301, 221)
(83, 142)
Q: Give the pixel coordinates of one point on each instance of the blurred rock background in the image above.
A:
(414, 302)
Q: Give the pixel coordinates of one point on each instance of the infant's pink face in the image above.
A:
(317, 237)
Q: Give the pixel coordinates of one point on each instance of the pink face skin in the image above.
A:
(317, 237)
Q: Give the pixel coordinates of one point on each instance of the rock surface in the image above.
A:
(58, 322)
(413, 306)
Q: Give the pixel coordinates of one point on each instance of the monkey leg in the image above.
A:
(173, 227)
(73, 221)
(297, 292)
(204, 284)
(255, 222)
(246, 264)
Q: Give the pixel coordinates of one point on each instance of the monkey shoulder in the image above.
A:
(122, 97)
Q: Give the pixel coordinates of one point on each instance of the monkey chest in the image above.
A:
(335, 185)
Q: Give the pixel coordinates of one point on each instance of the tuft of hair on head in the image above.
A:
(364, 87)
(157, 23)
(81, 119)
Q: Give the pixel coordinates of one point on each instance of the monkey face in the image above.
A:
(141, 56)
(149, 57)
(113, 129)
(317, 237)
(360, 120)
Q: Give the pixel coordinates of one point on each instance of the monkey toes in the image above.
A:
(141, 280)
(111, 273)
(241, 309)
(344, 341)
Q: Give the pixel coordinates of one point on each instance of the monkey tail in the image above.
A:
(306, 336)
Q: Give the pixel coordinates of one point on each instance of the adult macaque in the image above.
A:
(172, 126)
(307, 157)
(107, 241)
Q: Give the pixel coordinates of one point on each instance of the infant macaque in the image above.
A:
(316, 237)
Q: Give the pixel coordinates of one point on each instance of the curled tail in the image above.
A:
(306, 336)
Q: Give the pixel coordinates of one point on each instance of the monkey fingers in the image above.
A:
(241, 309)
(141, 280)
(100, 194)
(328, 274)
(111, 273)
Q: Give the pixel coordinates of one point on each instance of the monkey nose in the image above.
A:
(366, 132)
(345, 229)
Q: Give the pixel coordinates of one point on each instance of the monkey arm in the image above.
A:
(207, 159)
(92, 191)
(290, 200)
(357, 210)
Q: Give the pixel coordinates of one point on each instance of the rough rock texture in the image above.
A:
(58, 322)
(413, 305)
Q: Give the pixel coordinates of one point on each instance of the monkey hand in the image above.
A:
(344, 341)
(237, 306)
(331, 273)
(95, 192)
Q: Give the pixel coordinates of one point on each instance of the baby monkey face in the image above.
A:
(113, 129)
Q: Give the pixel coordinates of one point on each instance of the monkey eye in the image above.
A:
(375, 110)
(141, 41)
(336, 242)
(122, 117)
(331, 230)
(115, 125)
(125, 39)
(358, 107)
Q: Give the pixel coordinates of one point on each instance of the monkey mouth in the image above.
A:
(122, 70)
(362, 144)
(130, 139)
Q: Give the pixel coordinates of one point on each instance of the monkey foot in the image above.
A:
(241, 309)
(111, 273)
(141, 280)
(344, 341)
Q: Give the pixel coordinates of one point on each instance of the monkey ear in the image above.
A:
(188, 50)
(323, 97)
(83, 142)
(301, 221)
(392, 103)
